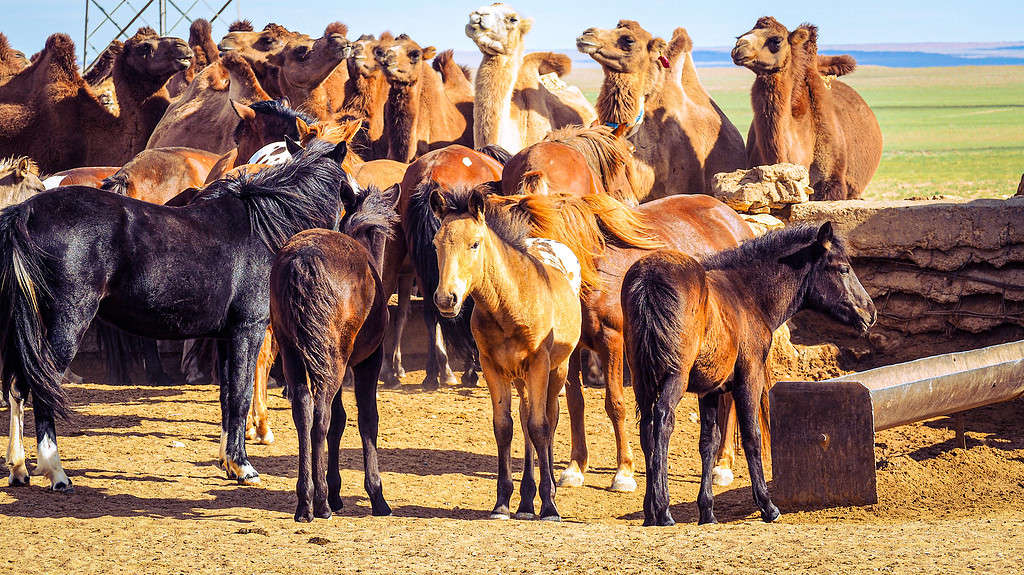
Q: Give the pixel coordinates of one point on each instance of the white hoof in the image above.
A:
(266, 439)
(498, 516)
(623, 482)
(571, 477)
(721, 476)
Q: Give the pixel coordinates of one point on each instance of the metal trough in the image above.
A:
(823, 433)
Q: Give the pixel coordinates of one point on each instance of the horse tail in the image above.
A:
(305, 313)
(420, 227)
(652, 311)
(117, 183)
(27, 358)
(622, 223)
(120, 351)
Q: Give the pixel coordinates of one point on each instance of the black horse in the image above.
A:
(706, 327)
(160, 272)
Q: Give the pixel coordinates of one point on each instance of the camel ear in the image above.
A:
(438, 204)
(525, 25)
(391, 196)
(429, 52)
(826, 235)
(657, 46)
(798, 36)
(302, 127)
(476, 204)
(339, 152)
(294, 148)
(242, 111)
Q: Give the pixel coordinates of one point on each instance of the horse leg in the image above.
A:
(722, 474)
(615, 407)
(431, 380)
(470, 375)
(528, 486)
(258, 422)
(16, 441)
(710, 437)
(445, 375)
(393, 372)
(239, 371)
(747, 394)
(338, 421)
(302, 415)
(572, 476)
(501, 399)
(539, 428)
(369, 420)
(155, 373)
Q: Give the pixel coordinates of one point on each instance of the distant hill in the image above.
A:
(891, 55)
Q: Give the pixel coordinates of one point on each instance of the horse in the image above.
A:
(446, 168)
(705, 327)
(74, 254)
(526, 322)
(694, 224)
(329, 312)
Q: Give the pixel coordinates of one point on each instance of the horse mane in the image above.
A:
(607, 155)
(10, 163)
(772, 246)
(373, 213)
(279, 109)
(584, 224)
(284, 200)
(117, 183)
(512, 226)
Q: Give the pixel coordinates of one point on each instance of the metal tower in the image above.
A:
(112, 13)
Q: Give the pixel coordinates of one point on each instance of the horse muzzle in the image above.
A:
(448, 304)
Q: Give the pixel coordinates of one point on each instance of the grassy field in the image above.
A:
(948, 131)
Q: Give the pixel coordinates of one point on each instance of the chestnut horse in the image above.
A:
(329, 311)
(705, 327)
(158, 174)
(526, 322)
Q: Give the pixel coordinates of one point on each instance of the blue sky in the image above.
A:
(715, 23)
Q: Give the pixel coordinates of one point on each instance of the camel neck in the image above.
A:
(495, 85)
(401, 113)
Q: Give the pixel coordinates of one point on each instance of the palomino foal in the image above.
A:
(526, 321)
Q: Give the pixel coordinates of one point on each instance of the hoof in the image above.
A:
(388, 383)
(771, 514)
(336, 503)
(382, 511)
(63, 487)
(571, 477)
(623, 483)
(324, 513)
(303, 516)
(498, 516)
(266, 439)
(18, 481)
(251, 479)
(707, 521)
(524, 516)
(556, 518)
(450, 380)
(665, 521)
(721, 476)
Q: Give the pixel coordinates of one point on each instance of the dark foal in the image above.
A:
(329, 311)
(75, 254)
(706, 326)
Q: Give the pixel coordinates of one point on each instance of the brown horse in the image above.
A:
(694, 224)
(705, 327)
(89, 176)
(486, 253)
(574, 160)
(329, 311)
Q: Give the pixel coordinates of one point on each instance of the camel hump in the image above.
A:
(336, 28)
(679, 45)
(444, 64)
(548, 62)
(199, 31)
(840, 65)
(240, 26)
(61, 50)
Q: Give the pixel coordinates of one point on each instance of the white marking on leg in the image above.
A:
(623, 482)
(224, 449)
(16, 441)
(571, 477)
(49, 463)
(721, 475)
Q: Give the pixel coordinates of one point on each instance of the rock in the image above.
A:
(761, 224)
(762, 187)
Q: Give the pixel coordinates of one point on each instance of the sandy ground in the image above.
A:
(149, 498)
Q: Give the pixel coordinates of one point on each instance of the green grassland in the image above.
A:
(948, 131)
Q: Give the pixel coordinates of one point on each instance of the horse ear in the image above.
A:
(339, 152)
(23, 168)
(285, 102)
(476, 204)
(294, 148)
(438, 204)
(825, 235)
(302, 127)
(391, 196)
(242, 111)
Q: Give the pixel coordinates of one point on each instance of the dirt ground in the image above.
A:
(149, 498)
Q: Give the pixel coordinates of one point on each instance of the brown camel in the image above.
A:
(204, 53)
(515, 107)
(366, 92)
(11, 61)
(203, 117)
(652, 95)
(425, 110)
(800, 117)
(49, 112)
(258, 47)
(309, 74)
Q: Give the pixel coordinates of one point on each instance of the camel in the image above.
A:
(203, 116)
(19, 180)
(11, 61)
(424, 110)
(204, 53)
(802, 118)
(258, 47)
(309, 74)
(651, 95)
(517, 101)
(50, 113)
(366, 92)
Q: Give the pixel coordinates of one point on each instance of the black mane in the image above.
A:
(373, 213)
(770, 247)
(284, 200)
(278, 108)
(512, 227)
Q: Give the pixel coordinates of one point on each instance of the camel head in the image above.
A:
(626, 49)
(362, 61)
(11, 61)
(257, 47)
(19, 179)
(155, 56)
(401, 59)
(306, 63)
(769, 46)
(497, 29)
